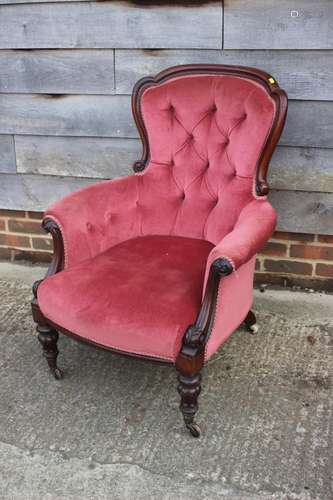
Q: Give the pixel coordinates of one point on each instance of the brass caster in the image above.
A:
(253, 329)
(57, 373)
(194, 429)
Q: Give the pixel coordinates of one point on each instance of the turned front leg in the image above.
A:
(189, 388)
(48, 337)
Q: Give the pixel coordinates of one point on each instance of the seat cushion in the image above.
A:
(138, 296)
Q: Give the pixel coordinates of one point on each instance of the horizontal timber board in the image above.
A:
(111, 24)
(300, 211)
(7, 154)
(74, 115)
(301, 169)
(290, 68)
(36, 192)
(309, 123)
(297, 211)
(76, 156)
(57, 71)
(271, 24)
(91, 71)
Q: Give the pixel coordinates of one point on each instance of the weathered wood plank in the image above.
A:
(36, 192)
(76, 156)
(74, 115)
(302, 169)
(111, 24)
(57, 71)
(298, 211)
(91, 71)
(278, 25)
(303, 74)
(7, 154)
(309, 123)
(304, 212)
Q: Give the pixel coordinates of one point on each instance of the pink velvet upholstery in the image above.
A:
(140, 295)
(206, 133)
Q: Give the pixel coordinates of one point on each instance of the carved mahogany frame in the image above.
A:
(190, 359)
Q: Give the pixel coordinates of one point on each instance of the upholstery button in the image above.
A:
(171, 108)
(244, 116)
(207, 165)
(183, 195)
(214, 108)
(190, 137)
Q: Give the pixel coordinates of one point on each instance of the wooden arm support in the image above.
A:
(56, 265)
(191, 356)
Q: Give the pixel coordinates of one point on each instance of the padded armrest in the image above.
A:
(95, 218)
(255, 225)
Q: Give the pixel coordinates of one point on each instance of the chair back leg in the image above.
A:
(251, 323)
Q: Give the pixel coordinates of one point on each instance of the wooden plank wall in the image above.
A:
(67, 69)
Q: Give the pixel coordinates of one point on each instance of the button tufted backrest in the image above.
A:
(206, 133)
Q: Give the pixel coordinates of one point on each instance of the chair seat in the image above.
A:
(138, 296)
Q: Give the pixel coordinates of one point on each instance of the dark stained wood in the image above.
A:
(264, 79)
(49, 339)
(189, 388)
(190, 360)
(251, 322)
(58, 259)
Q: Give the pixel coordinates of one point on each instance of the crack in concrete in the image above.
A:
(229, 488)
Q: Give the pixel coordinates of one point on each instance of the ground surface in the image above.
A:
(111, 428)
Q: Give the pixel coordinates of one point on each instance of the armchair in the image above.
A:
(159, 265)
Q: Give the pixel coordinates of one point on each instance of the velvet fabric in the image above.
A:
(206, 134)
(137, 296)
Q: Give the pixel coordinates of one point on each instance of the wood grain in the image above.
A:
(309, 123)
(72, 115)
(302, 169)
(304, 74)
(7, 154)
(269, 24)
(36, 192)
(305, 212)
(76, 156)
(111, 24)
(57, 71)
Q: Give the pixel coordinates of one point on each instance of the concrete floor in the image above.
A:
(111, 428)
